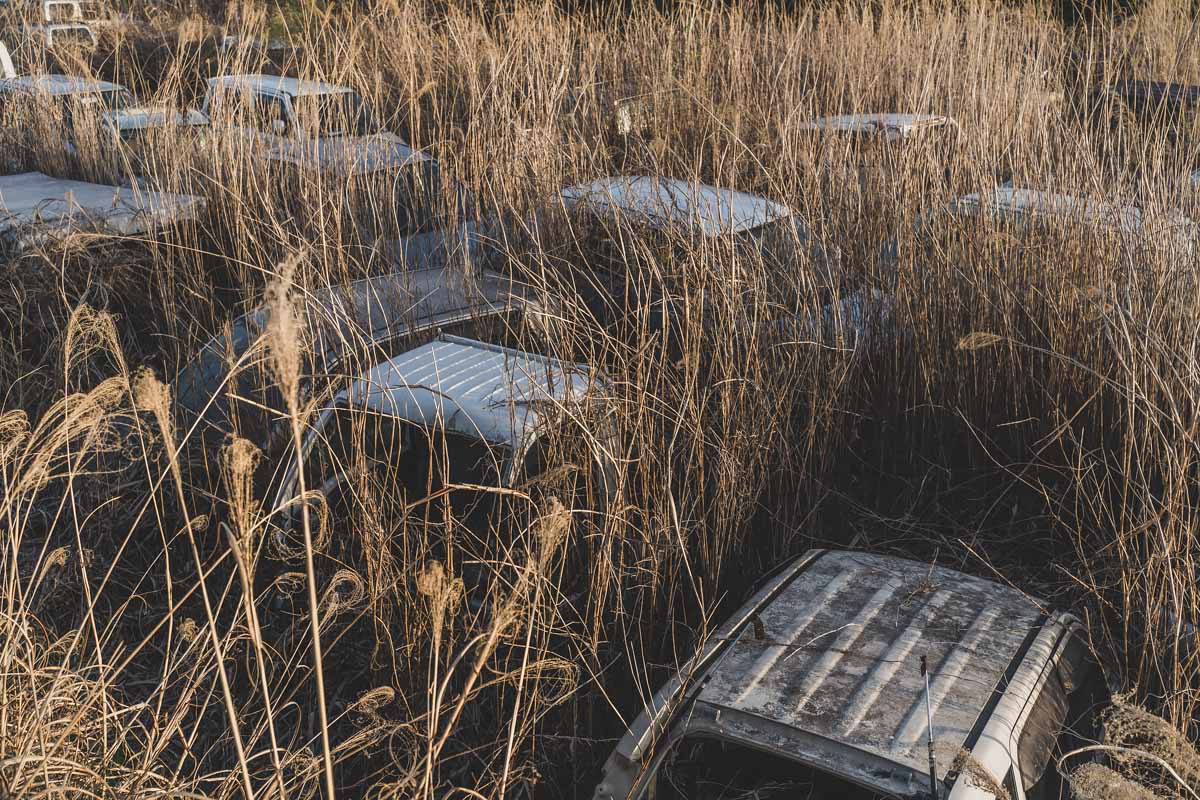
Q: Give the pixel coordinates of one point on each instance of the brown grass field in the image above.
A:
(1033, 416)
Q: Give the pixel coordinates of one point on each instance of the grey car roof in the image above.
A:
(56, 84)
(483, 391)
(1008, 200)
(837, 665)
(276, 84)
(35, 207)
(891, 124)
(672, 203)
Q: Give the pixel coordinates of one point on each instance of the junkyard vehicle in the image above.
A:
(1025, 210)
(87, 108)
(598, 233)
(369, 319)
(35, 208)
(451, 419)
(60, 35)
(328, 130)
(893, 128)
(816, 688)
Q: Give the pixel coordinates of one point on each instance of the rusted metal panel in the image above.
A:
(838, 660)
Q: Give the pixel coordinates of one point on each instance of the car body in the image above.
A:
(821, 673)
(1028, 208)
(370, 318)
(35, 208)
(485, 412)
(894, 128)
(59, 35)
(328, 129)
(79, 100)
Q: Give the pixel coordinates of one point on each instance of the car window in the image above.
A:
(358, 449)
(1064, 717)
(334, 114)
(266, 112)
(701, 768)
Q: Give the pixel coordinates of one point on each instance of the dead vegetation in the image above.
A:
(1033, 417)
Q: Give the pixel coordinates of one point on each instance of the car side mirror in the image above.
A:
(278, 127)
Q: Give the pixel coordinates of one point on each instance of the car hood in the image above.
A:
(350, 155)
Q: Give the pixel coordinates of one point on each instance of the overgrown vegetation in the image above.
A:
(1033, 418)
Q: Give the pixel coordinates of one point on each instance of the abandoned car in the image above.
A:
(372, 318)
(323, 129)
(454, 418)
(87, 108)
(35, 208)
(894, 128)
(597, 233)
(818, 688)
(1026, 208)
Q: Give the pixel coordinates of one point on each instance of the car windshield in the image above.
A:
(104, 100)
(334, 114)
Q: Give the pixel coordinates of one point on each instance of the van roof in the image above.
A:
(832, 674)
(891, 125)
(666, 203)
(276, 84)
(484, 391)
(1008, 201)
(57, 84)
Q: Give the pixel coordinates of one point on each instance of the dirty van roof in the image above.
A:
(277, 84)
(1007, 200)
(57, 84)
(890, 124)
(835, 673)
(34, 206)
(665, 203)
(484, 391)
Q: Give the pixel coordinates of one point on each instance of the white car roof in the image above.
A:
(483, 391)
(891, 125)
(666, 203)
(57, 84)
(276, 84)
(1007, 200)
(35, 207)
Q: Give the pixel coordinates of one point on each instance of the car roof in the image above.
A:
(56, 84)
(1008, 200)
(34, 206)
(902, 124)
(833, 670)
(353, 317)
(276, 84)
(666, 203)
(484, 391)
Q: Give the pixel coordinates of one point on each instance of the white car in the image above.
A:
(329, 129)
(87, 101)
(894, 128)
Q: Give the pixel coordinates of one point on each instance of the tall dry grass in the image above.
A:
(1032, 418)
